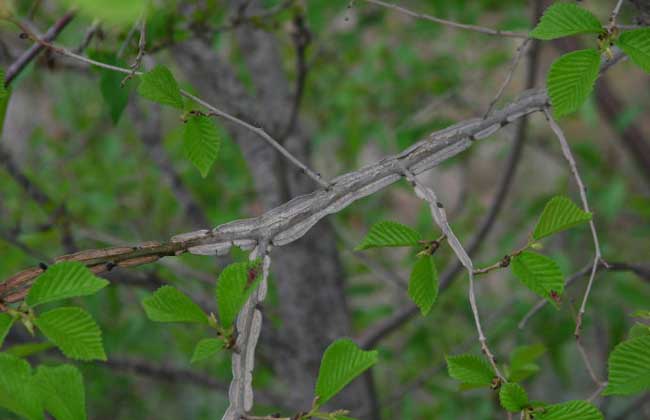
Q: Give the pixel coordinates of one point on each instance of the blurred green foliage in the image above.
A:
(378, 82)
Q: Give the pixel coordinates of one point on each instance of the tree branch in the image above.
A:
(290, 221)
(440, 217)
(452, 24)
(19, 65)
(566, 150)
(249, 326)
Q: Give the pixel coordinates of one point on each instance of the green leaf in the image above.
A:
(571, 80)
(6, 321)
(73, 331)
(235, 284)
(423, 284)
(4, 104)
(522, 362)
(639, 330)
(61, 389)
(470, 369)
(206, 348)
(28, 349)
(559, 214)
(115, 95)
(540, 274)
(565, 19)
(16, 388)
(513, 397)
(159, 86)
(571, 410)
(168, 304)
(636, 44)
(201, 142)
(119, 11)
(342, 361)
(642, 313)
(3, 89)
(629, 367)
(64, 280)
(388, 234)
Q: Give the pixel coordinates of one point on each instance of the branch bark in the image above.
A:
(292, 220)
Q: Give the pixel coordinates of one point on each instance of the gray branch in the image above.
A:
(290, 221)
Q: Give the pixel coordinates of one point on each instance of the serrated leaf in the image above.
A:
(342, 361)
(159, 86)
(206, 348)
(522, 362)
(74, 332)
(61, 390)
(119, 11)
(540, 274)
(571, 410)
(235, 284)
(168, 304)
(629, 367)
(565, 19)
(423, 284)
(571, 80)
(201, 142)
(513, 397)
(6, 321)
(636, 44)
(559, 214)
(389, 234)
(64, 280)
(470, 369)
(16, 388)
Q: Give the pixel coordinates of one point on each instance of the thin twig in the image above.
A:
(127, 40)
(437, 211)
(214, 111)
(142, 43)
(475, 28)
(88, 36)
(614, 15)
(19, 65)
(502, 263)
(590, 369)
(566, 150)
(513, 66)
(597, 392)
